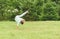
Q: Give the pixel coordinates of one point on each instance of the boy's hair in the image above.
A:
(22, 22)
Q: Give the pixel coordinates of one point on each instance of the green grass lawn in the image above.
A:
(30, 30)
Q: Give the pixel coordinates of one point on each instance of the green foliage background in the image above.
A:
(38, 9)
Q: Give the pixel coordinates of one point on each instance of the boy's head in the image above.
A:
(22, 22)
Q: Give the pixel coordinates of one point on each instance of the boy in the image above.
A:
(19, 20)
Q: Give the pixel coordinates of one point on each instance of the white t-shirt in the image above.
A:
(18, 19)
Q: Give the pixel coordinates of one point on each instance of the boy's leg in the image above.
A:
(17, 26)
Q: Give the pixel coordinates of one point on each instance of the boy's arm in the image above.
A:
(23, 13)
